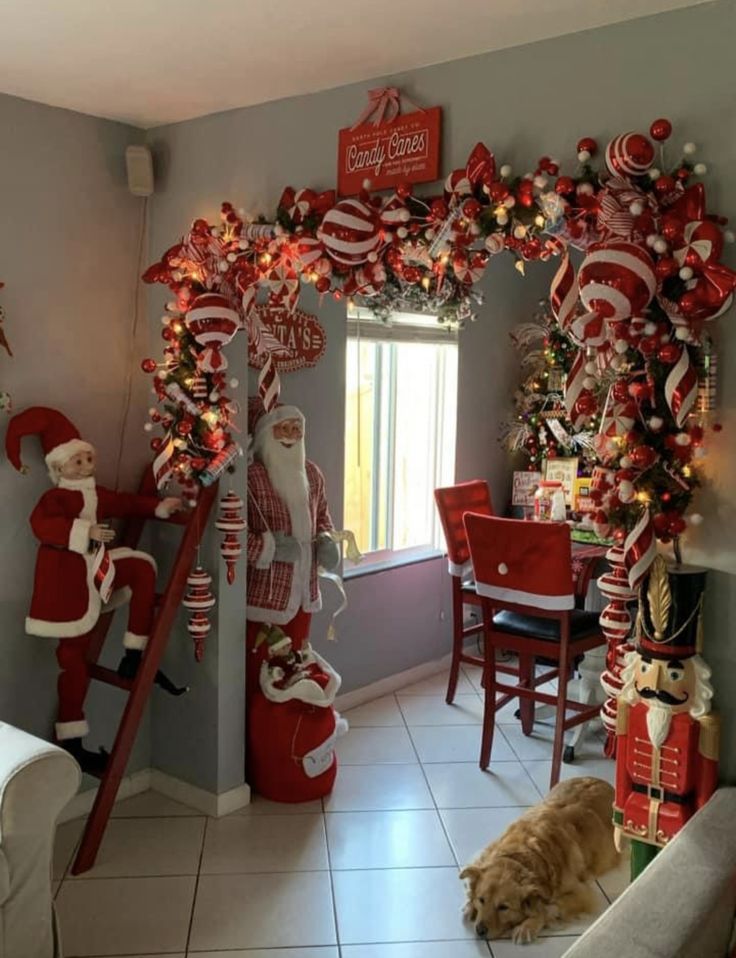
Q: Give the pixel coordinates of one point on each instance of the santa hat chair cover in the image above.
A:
(526, 563)
(59, 438)
(452, 504)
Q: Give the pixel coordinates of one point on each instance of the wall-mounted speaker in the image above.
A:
(139, 164)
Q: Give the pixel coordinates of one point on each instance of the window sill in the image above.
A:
(397, 560)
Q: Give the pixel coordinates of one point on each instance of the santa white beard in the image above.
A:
(286, 467)
(659, 719)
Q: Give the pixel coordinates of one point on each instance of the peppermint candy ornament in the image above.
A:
(350, 232)
(283, 284)
(616, 281)
(306, 251)
(370, 279)
(213, 322)
(629, 154)
(681, 388)
(232, 523)
(199, 600)
(469, 268)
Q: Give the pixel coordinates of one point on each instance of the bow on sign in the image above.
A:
(384, 104)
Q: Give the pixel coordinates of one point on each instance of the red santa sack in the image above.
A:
(292, 730)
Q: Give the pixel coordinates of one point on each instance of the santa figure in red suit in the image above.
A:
(289, 528)
(77, 577)
(667, 738)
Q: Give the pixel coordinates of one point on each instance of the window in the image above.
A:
(400, 421)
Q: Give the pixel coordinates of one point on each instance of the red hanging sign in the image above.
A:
(294, 339)
(388, 148)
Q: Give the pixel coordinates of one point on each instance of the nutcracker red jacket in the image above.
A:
(65, 601)
(277, 590)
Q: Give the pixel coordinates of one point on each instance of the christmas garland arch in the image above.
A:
(637, 309)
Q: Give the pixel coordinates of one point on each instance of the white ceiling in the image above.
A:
(149, 62)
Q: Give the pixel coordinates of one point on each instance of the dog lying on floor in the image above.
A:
(535, 875)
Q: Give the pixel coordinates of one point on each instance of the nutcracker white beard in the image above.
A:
(286, 467)
(659, 719)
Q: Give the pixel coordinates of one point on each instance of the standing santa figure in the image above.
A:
(77, 577)
(289, 528)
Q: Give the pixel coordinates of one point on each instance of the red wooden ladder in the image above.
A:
(139, 688)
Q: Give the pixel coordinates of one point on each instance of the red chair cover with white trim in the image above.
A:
(527, 563)
(452, 504)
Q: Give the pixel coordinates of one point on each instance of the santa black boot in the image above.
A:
(128, 669)
(93, 763)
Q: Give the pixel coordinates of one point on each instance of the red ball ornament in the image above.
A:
(689, 303)
(553, 169)
(648, 345)
(184, 428)
(661, 523)
(412, 274)
(149, 365)
(643, 456)
(586, 404)
(526, 186)
(168, 333)
(630, 154)
(564, 185)
(156, 444)
(322, 284)
(660, 130)
(676, 525)
(498, 192)
(472, 209)
(438, 209)
(664, 185)
(403, 190)
(666, 267)
(669, 353)
(620, 391)
(587, 144)
(670, 228)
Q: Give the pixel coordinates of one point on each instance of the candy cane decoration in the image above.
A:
(681, 388)
(564, 293)
(574, 388)
(162, 464)
(640, 549)
(269, 383)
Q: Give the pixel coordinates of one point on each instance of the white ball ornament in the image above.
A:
(373, 256)
(700, 169)
(660, 245)
(689, 148)
(655, 423)
(682, 333)
(585, 189)
(650, 328)
(502, 219)
(626, 462)
(505, 170)
(654, 173)
(402, 232)
(589, 382)
(243, 244)
(636, 208)
(621, 346)
(584, 156)
(682, 439)
(366, 184)
(626, 491)
(695, 519)
(214, 396)
(729, 236)
(231, 257)
(651, 239)
(686, 273)
(234, 383)
(540, 182)
(591, 368)
(148, 427)
(519, 232)
(429, 234)
(510, 202)
(223, 267)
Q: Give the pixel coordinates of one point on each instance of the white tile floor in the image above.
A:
(371, 872)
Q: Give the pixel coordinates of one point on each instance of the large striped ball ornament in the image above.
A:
(350, 231)
(617, 280)
(630, 154)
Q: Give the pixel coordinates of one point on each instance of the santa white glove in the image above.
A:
(287, 548)
(328, 552)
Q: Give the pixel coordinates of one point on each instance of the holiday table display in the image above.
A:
(77, 576)
(667, 736)
(292, 724)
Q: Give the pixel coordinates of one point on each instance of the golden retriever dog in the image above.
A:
(535, 875)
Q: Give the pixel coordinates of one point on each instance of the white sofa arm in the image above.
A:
(36, 782)
(682, 905)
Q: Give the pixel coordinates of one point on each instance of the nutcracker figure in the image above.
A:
(666, 735)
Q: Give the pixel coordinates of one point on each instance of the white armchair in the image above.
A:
(36, 782)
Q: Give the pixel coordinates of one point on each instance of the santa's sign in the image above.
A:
(294, 339)
(388, 148)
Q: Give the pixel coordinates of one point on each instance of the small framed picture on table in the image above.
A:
(522, 495)
(564, 470)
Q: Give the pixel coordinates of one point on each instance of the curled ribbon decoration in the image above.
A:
(384, 105)
(345, 539)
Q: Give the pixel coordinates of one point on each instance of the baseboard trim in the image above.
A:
(216, 806)
(82, 802)
(391, 683)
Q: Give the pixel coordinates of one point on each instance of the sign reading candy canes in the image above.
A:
(387, 148)
(301, 339)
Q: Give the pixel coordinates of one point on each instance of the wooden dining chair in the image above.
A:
(523, 577)
(452, 504)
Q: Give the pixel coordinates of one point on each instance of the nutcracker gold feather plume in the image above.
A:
(659, 597)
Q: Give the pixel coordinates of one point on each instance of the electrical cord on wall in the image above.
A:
(133, 334)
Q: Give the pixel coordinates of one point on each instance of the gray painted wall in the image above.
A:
(68, 255)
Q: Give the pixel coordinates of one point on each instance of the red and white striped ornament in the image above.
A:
(351, 232)
(199, 387)
(618, 418)
(629, 154)
(199, 600)
(231, 523)
(469, 267)
(283, 285)
(269, 383)
(306, 251)
(394, 214)
(213, 322)
(616, 280)
(681, 388)
(574, 388)
(370, 279)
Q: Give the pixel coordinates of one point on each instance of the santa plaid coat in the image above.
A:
(277, 590)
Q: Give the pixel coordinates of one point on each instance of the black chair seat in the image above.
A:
(536, 627)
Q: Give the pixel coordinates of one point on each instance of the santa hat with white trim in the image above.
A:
(260, 420)
(59, 438)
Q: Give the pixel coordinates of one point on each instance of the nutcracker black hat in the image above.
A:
(669, 623)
